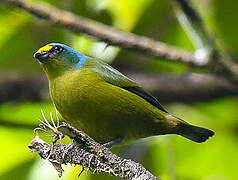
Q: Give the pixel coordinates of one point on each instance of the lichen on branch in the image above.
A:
(89, 154)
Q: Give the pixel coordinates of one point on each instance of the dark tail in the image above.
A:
(194, 133)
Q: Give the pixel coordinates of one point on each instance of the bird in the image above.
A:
(111, 108)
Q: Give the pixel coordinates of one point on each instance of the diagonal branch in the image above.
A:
(89, 154)
(191, 21)
(105, 33)
(207, 52)
(220, 65)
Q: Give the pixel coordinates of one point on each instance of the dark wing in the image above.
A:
(114, 77)
(148, 97)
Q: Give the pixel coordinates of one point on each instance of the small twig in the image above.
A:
(89, 154)
(190, 19)
(190, 11)
(207, 53)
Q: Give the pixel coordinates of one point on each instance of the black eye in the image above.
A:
(58, 49)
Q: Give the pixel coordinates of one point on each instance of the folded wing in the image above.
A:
(114, 77)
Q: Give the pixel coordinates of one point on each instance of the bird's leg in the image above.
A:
(81, 171)
(113, 142)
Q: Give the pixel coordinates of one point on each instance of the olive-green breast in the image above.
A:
(102, 110)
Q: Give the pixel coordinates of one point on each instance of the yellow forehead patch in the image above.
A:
(45, 48)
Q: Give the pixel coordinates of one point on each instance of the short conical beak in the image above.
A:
(41, 56)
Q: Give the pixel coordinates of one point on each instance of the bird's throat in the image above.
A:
(54, 69)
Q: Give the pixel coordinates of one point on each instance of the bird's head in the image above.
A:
(57, 58)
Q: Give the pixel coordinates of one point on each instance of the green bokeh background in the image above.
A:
(168, 157)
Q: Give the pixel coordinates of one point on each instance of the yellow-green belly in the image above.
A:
(104, 111)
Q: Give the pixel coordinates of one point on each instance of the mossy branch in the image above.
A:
(88, 153)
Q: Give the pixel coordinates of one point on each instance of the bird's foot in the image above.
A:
(113, 142)
(46, 126)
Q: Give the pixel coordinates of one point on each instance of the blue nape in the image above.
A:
(82, 58)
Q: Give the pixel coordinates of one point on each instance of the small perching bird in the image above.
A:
(99, 100)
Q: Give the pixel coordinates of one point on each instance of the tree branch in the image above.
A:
(187, 87)
(207, 52)
(105, 33)
(220, 65)
(193, 23)
(19, 88)
(89, 154)
(190, 11)
(15, 125)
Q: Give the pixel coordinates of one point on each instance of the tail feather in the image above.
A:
(194, 133)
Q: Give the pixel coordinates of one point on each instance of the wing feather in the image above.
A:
(114, 77)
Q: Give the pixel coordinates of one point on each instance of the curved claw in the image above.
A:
(35, 130)
(40, 128)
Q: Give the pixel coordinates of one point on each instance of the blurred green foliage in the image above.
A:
(168, 157)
